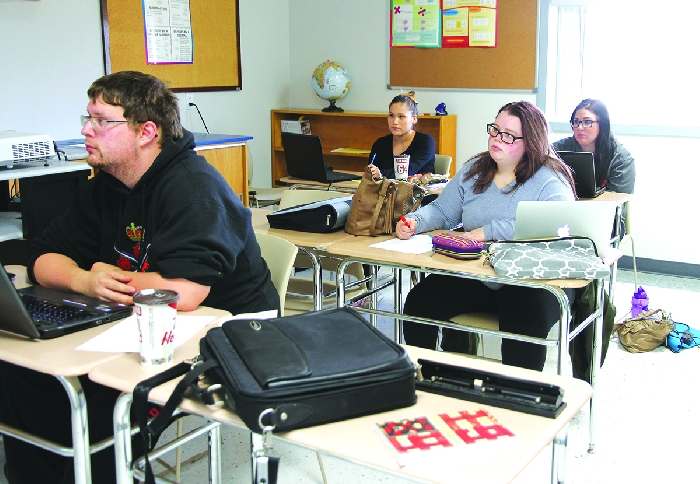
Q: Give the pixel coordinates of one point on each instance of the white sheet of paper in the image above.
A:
(417, 244)
(123, 337)
(272, 313)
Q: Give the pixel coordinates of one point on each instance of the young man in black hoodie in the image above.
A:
(156, 215)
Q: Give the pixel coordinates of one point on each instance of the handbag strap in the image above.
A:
(150, 432)
(384, 190)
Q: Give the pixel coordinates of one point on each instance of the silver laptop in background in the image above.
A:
(63, 312)
(582, 164)
(541, 219)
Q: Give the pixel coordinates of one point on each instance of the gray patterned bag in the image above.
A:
(563, 258)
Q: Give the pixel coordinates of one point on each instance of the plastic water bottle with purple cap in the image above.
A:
(640, 302)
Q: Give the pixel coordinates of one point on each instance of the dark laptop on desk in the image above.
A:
(39, 312)
(582, 165)
(304, 156)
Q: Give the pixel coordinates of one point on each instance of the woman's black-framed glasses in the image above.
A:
(507, 138)
(586, 123)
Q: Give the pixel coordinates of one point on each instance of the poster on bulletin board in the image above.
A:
(415, 23)
(469, 23)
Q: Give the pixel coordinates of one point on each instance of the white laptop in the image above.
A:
(592, 219)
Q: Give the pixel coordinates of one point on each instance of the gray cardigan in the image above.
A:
(493, 210)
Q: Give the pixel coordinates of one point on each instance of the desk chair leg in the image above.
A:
(559, 447)
(214, 441)
(564, 365)
(122, 439)
(595, 365)
(317, 277)
(373, 298)
(79, 424)
(398, 299)
(323, 470)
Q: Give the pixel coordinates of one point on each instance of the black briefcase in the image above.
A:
(292, 372)
(321, 216)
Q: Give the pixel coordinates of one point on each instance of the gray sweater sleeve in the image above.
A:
(622, 172)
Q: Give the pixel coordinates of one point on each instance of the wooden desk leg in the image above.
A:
(79, 425)
(122, 439)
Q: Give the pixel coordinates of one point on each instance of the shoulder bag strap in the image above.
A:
(387, 186)
(151, 431)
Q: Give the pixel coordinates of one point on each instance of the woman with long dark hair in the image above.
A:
(614, 165)
(519, 165)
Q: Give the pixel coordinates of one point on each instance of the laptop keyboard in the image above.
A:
(335, 176)
(42, 310)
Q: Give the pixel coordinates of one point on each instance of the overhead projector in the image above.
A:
(19, 148)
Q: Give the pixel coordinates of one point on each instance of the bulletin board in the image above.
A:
(512, 64)
(215, 29)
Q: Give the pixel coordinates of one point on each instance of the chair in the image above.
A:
(260, 197)
(443, 164)
(300, 288)
(279, 255)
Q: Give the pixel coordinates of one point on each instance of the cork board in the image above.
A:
(215, 29)
(512, 64)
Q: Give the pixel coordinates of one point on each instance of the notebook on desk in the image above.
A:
(304, 156)
(593, 219)
(582, 164)
(42, 313)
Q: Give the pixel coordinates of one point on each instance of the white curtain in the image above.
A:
(637, 56)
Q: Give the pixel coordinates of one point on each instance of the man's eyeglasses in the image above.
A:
(507, 138)
(586, 123)
(101, 123)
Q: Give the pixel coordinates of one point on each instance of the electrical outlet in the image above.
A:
(189, 98)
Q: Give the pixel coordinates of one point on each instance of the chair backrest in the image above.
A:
(442, 164)
(291, 198)
(279, 255)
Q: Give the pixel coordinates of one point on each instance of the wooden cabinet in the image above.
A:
(358, 130)
(230, 159)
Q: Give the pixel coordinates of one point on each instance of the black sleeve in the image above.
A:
(422, 152)
(201, 230)
(76, 233)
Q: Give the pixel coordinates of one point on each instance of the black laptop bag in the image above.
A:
(322, 216)
(291, 372)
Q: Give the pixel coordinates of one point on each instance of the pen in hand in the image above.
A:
(403, 219)
(372, 160)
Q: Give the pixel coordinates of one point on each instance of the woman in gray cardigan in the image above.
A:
(614, 165)
(519, 165)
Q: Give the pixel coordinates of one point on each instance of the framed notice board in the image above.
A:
(512, 64)
(216, 62)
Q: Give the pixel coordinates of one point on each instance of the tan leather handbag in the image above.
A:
(379, 204)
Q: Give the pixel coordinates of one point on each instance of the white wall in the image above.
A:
(356, 35)
(51, 51)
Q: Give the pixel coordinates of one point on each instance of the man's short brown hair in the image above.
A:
(143, 97)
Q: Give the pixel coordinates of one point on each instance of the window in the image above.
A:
(637, 56)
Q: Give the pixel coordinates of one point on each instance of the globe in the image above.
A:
(330, 82)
